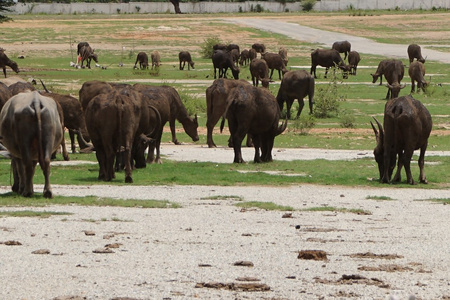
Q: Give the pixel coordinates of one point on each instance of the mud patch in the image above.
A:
(312, 255)
(354, 279)
(371, 255)
(245, 287)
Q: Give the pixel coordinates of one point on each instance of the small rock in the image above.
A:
(297, 226)
(88, 232)
(12, 243)
(243, 263)
(41, 251)
(287, 215)
(103, 251)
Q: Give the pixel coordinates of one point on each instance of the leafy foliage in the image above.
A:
(5, 7)
(308, 5)
(207, 47)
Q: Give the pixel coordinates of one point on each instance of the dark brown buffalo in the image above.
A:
(342, 47)
(353, 61)
(380, 71)
(244, 57)
(407, 126)
(5, 94)
(394, 72)
(415, 52)
(216, 104)
(92, 88)
(31, 129)
(6, 62)
(81, 45)
(274, 62)
(170, 106)
(259, 48)
(254, 111)
(185, 57)
(296, 85)
(74, 119)
(142, 58)
(260, 72)
(112, 120)
(230, 48)
(328, 58)
(416, 73)
(21, 87)
(252, 54)
(87, 54)
(283, 53)
(222, 60)
(156, 59)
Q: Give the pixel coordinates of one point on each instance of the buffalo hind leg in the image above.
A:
(257, 145)
(422, 178)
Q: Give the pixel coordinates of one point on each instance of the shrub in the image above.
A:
(327, 99)
(347, 120)
(304, 124)
(207, 47)
(194, 105)
(308, 5)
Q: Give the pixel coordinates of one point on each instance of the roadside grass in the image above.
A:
(379, 198)
(360, 172)
(357, 211)
(33, 214)
(445, 201)
(223, 197)
(264, 206)
(12, 199)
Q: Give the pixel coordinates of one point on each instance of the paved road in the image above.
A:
(327, 38)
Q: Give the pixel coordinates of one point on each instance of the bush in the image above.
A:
(327, 100)
(206, 50)
(304, 124)
(308, 5)
(347, 120)
(194, 105)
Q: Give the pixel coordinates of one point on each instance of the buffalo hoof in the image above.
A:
(424, 181)
(128, 179)
(48, 194)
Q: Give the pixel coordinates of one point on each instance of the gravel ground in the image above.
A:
(211, 249)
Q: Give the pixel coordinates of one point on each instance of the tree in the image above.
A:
(4, 7)
(176, 5)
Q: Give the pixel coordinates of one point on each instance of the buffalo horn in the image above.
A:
(158, 121)
(45, 88)
(380, 127)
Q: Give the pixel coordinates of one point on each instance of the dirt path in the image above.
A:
(327, 38)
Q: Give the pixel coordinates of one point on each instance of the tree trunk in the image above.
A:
(176, 5)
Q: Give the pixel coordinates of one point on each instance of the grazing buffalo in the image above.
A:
(142, 58)
(407, 126)
(21, 87)
(216, 104)
(185, 57)
(5, 61)
(260, 72)
(5, 94)
(283, 53)
(156, 59)
(296, 85)
(274, 62)
(74, 119)
(112, 120)
(170, 106)
(31, 128)
(380, 71)
(81, 45)
(252, 54)
(394, 72)
(244, 57)
(353, 61)
(259, 48)
(416, 73)
(342, 47)
(90, 89)
(328, 58)
(414, 51)
(254, 111)
(87, 54)
(222, 60)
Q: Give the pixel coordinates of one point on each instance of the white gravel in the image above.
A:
(165, 253)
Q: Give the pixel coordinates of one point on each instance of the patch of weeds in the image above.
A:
(444, 201)
(347, 120)
(339, 209)
(264, 205)
(30, 213)
(328, 98)
(223, 197)
(304, 124)
(383, 198)
(206, 50)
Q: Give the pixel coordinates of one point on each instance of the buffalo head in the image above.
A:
(378, 152)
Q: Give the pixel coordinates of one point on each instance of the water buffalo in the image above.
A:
(253, 110)
(342, 47)
(260, 72)
(74, 119)
(5, 94)
(296, 85)
(185, 57)
(21, 87)
(252, 54)
(90, 89)
(142, 58)
(216, 104)
(31, 129)
(112, 120)
(274, 62)
(244, 57)
(87, 54)
(353, 61)
(283, 53)
(259, 48)
(394, 72)
(5, 61)
(380, 71)
(170, 106)
(156, 59)
(414, 51)
(222, 60)
(328, 58)
(416, 73)
(407, 126)
(81, 45)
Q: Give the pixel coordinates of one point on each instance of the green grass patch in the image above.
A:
(223, 197)
(29, 213)
(444, 201)
(264, 205)
(12, 199)
(380, 198)
(338, 209)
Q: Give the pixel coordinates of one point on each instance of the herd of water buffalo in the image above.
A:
(123, 120)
